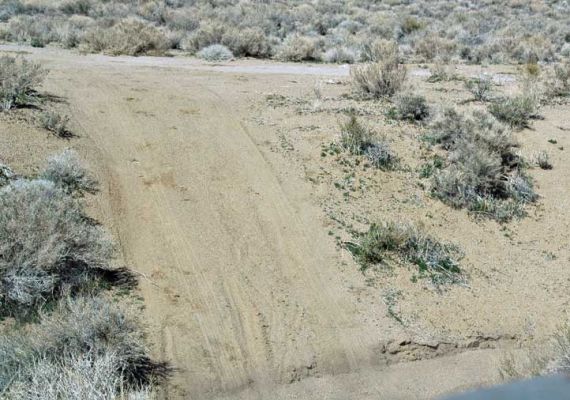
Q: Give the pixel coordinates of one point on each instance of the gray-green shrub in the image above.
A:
(55, 123)
(91, 336)
(215, 52)
(47, 245)
(412, 107)
(68, 172)
(483, 173)
(19, 80)
(379, 79)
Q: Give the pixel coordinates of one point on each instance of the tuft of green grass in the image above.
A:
(436, 260)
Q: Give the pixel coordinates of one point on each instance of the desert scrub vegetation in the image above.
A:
(358, 140)
(85, 348)
(67, 172)
(405, 242)
(47, 246)
(477, 32)
(412, 107)
(480, 87)
(516, 111)
(130, 37)
(71, 339)
(483, 171)
(19, 80)
(379, 79)
(215, 52)
(55, 123)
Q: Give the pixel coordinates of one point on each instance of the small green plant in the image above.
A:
(480, 87)
(55, 123)
(429, 168)
(354, 137)
(359, 140)
(436, 260)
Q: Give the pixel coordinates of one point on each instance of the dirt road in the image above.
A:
(244, 289)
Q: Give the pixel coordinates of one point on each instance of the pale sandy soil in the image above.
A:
(223, 203)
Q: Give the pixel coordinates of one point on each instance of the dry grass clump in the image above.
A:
(483, 173)
(129, 37)
(87, 347)
(380, 79)
(436, 260)
(515, 111)
(359, 140)
(19, 80)
(55, 123)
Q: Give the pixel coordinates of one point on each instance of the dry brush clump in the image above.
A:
(380, 79)
(478, 32)
(389, 240)
(48, 247)
(54, 262)
(67, 171)
(86, 348)
(358, 140)
(19, 80)
(483, 171)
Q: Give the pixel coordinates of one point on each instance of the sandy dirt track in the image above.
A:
(244, 289)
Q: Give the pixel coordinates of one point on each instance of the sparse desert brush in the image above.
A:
(47, 246)
(298, 48)
(358, 140)
(380, 79)
(87, 346)
(354, 137)
(249, 42)
(204, 36)
(412, 107)
(380, 50)
(558, 80)
(434, 259)
(542, 159)
(480, 87)
(68, 172)
(55, 123)
(515, 111)
(129, 37)
(215, 52)
(340, 55)
(483, 173)
(19, 80)
(433, 47)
